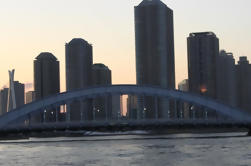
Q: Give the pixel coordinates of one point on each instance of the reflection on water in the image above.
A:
(179, 150)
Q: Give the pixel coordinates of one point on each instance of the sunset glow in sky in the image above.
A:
(28, 27)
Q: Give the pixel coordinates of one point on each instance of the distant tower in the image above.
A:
(243, 78)
(3, 100)
(11, 94)
(15, 93)
(29, 97)
(226, 79)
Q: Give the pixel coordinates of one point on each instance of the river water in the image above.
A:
(232, 149)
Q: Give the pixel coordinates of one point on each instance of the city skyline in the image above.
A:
(117, 53)
(146, 82)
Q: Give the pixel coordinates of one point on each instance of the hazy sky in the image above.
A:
(28, 27)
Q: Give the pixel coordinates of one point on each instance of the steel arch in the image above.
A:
(92, 92)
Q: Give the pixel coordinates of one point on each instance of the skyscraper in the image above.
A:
(203, 52)
(243, 77)
(3, 100)
(78, 76)
(154, 51)
(46, 79)
(102, 106)
(226, 78)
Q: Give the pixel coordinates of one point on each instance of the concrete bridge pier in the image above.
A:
(249, 132)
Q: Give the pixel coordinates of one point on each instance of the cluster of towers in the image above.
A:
(80, 73)
(211, 72)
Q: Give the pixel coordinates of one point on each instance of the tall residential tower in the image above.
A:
(46, 80)
(78, 59)
(226, 79)
(154, 34)
(102, 106)
(203, 52)
(243, 78)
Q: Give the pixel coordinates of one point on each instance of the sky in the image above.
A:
(28, 27)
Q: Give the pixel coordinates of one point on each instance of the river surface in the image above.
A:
(232, 149)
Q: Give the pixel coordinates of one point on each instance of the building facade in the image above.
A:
(46, 81)
(226, 79)
(29, 97)
(102, 106)
(203, 52)
(243, 77)
(154, 34)
(78, 59)
(3, 100)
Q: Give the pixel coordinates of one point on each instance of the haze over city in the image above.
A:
(30, 27)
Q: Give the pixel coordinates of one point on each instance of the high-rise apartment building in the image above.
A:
(203, 52)
(154, 34)
(46, 81)
(102, 106)
(3, 100)
(226, 78)
(79, 62)
(243, 78)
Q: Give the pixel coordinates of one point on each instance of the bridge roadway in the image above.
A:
(127, 125)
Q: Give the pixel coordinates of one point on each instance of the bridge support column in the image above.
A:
(81, 110)
(156, 107)
(94, 113)
(206, 113)
(249, 133)
(164, 108)
(56, 110)
(144, 108)
(175, 109)
(68, 112)
(44, 115)
(106, 107)
(181, 109)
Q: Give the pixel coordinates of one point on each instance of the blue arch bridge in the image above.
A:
(92, 109)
